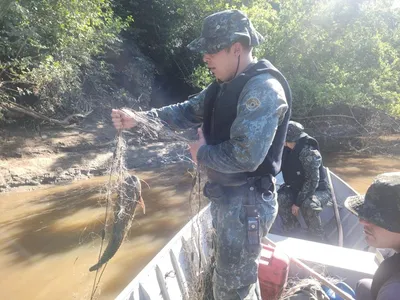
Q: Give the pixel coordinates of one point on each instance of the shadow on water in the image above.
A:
(360, 164)
(359, 170)
(37, 233)
(67, 217)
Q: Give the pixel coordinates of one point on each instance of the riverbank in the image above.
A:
(31, 159)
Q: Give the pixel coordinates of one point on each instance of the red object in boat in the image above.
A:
(272, 272)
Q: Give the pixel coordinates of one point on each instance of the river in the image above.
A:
(50, 237)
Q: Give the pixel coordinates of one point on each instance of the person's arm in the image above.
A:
(310, 160)
(188, 114)
(261, 108)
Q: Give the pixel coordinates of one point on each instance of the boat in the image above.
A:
(172, 272)
(353, 236)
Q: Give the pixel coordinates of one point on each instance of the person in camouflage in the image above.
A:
(243, 116)
(306, 188)
(379, 213)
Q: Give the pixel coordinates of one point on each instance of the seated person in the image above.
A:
(379, 213)
(305, 187)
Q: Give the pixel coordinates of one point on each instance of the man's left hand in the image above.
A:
(194, 147)
(295, 210)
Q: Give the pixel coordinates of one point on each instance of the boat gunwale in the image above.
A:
(127, 291)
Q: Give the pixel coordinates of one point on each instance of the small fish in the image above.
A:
(124, 211)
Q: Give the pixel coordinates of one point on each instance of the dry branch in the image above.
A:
(30, 112)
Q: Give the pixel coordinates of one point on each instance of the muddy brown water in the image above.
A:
(50, 237)
(359, 170)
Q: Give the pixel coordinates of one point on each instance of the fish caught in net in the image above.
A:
(120, 210)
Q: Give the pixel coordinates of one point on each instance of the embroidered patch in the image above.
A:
(252, 104)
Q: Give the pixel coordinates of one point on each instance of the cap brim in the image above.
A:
(208, 45)
(198, 45)
(354, 204)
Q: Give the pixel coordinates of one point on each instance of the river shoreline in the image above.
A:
(31, 160)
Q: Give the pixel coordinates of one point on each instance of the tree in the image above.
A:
(50, 49)
(340, 51)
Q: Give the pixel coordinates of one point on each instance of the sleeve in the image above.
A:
(188, 114)
(261, 108)
(310, 160)
(390, 290)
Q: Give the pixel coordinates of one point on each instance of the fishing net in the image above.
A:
(306, 288)
(201, 264)
(120, 210)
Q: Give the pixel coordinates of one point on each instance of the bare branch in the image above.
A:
(19, 108)
(324, 116)
(357, 121)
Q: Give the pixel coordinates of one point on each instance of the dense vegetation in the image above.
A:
(66, 56)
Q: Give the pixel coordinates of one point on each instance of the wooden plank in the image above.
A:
(197, 234)
(161, 284)
(131, 297)
(335, 209)
(178, 274)
(190, 249)
(187, 261)
(143, 295)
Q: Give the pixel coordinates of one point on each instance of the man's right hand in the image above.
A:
(123, 119)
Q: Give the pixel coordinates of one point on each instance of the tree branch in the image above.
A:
(325, 116)
(27, 111)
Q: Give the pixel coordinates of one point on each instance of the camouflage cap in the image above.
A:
(295, 132)
(381, 203)
(222, 29)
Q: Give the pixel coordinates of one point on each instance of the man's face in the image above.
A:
(379, 237)
(222, 64)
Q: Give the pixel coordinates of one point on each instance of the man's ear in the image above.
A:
(237, 48)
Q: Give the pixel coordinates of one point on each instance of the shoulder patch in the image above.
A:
(252, 103)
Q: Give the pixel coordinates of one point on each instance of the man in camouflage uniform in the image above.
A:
(244, 115)
(306, 188)
(379, 213)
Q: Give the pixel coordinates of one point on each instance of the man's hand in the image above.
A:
(123, 119)
(194, 147)
(295, 210)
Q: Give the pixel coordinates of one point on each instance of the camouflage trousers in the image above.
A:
(310, 210)
(235, 275)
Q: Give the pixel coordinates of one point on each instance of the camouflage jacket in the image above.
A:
(310, 159)
(261, 108)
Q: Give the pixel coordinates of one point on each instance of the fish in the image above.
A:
(124, 211)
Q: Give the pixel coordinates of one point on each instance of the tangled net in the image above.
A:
(306, 288)
(200, 283)
(128, 190)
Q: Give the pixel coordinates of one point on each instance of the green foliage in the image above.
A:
(201, 77)
(163, 28)
(340, 51)
(45, 45)
(62, 55)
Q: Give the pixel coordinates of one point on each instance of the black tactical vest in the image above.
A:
(388, 268)
(292, 169)
(220, 110)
